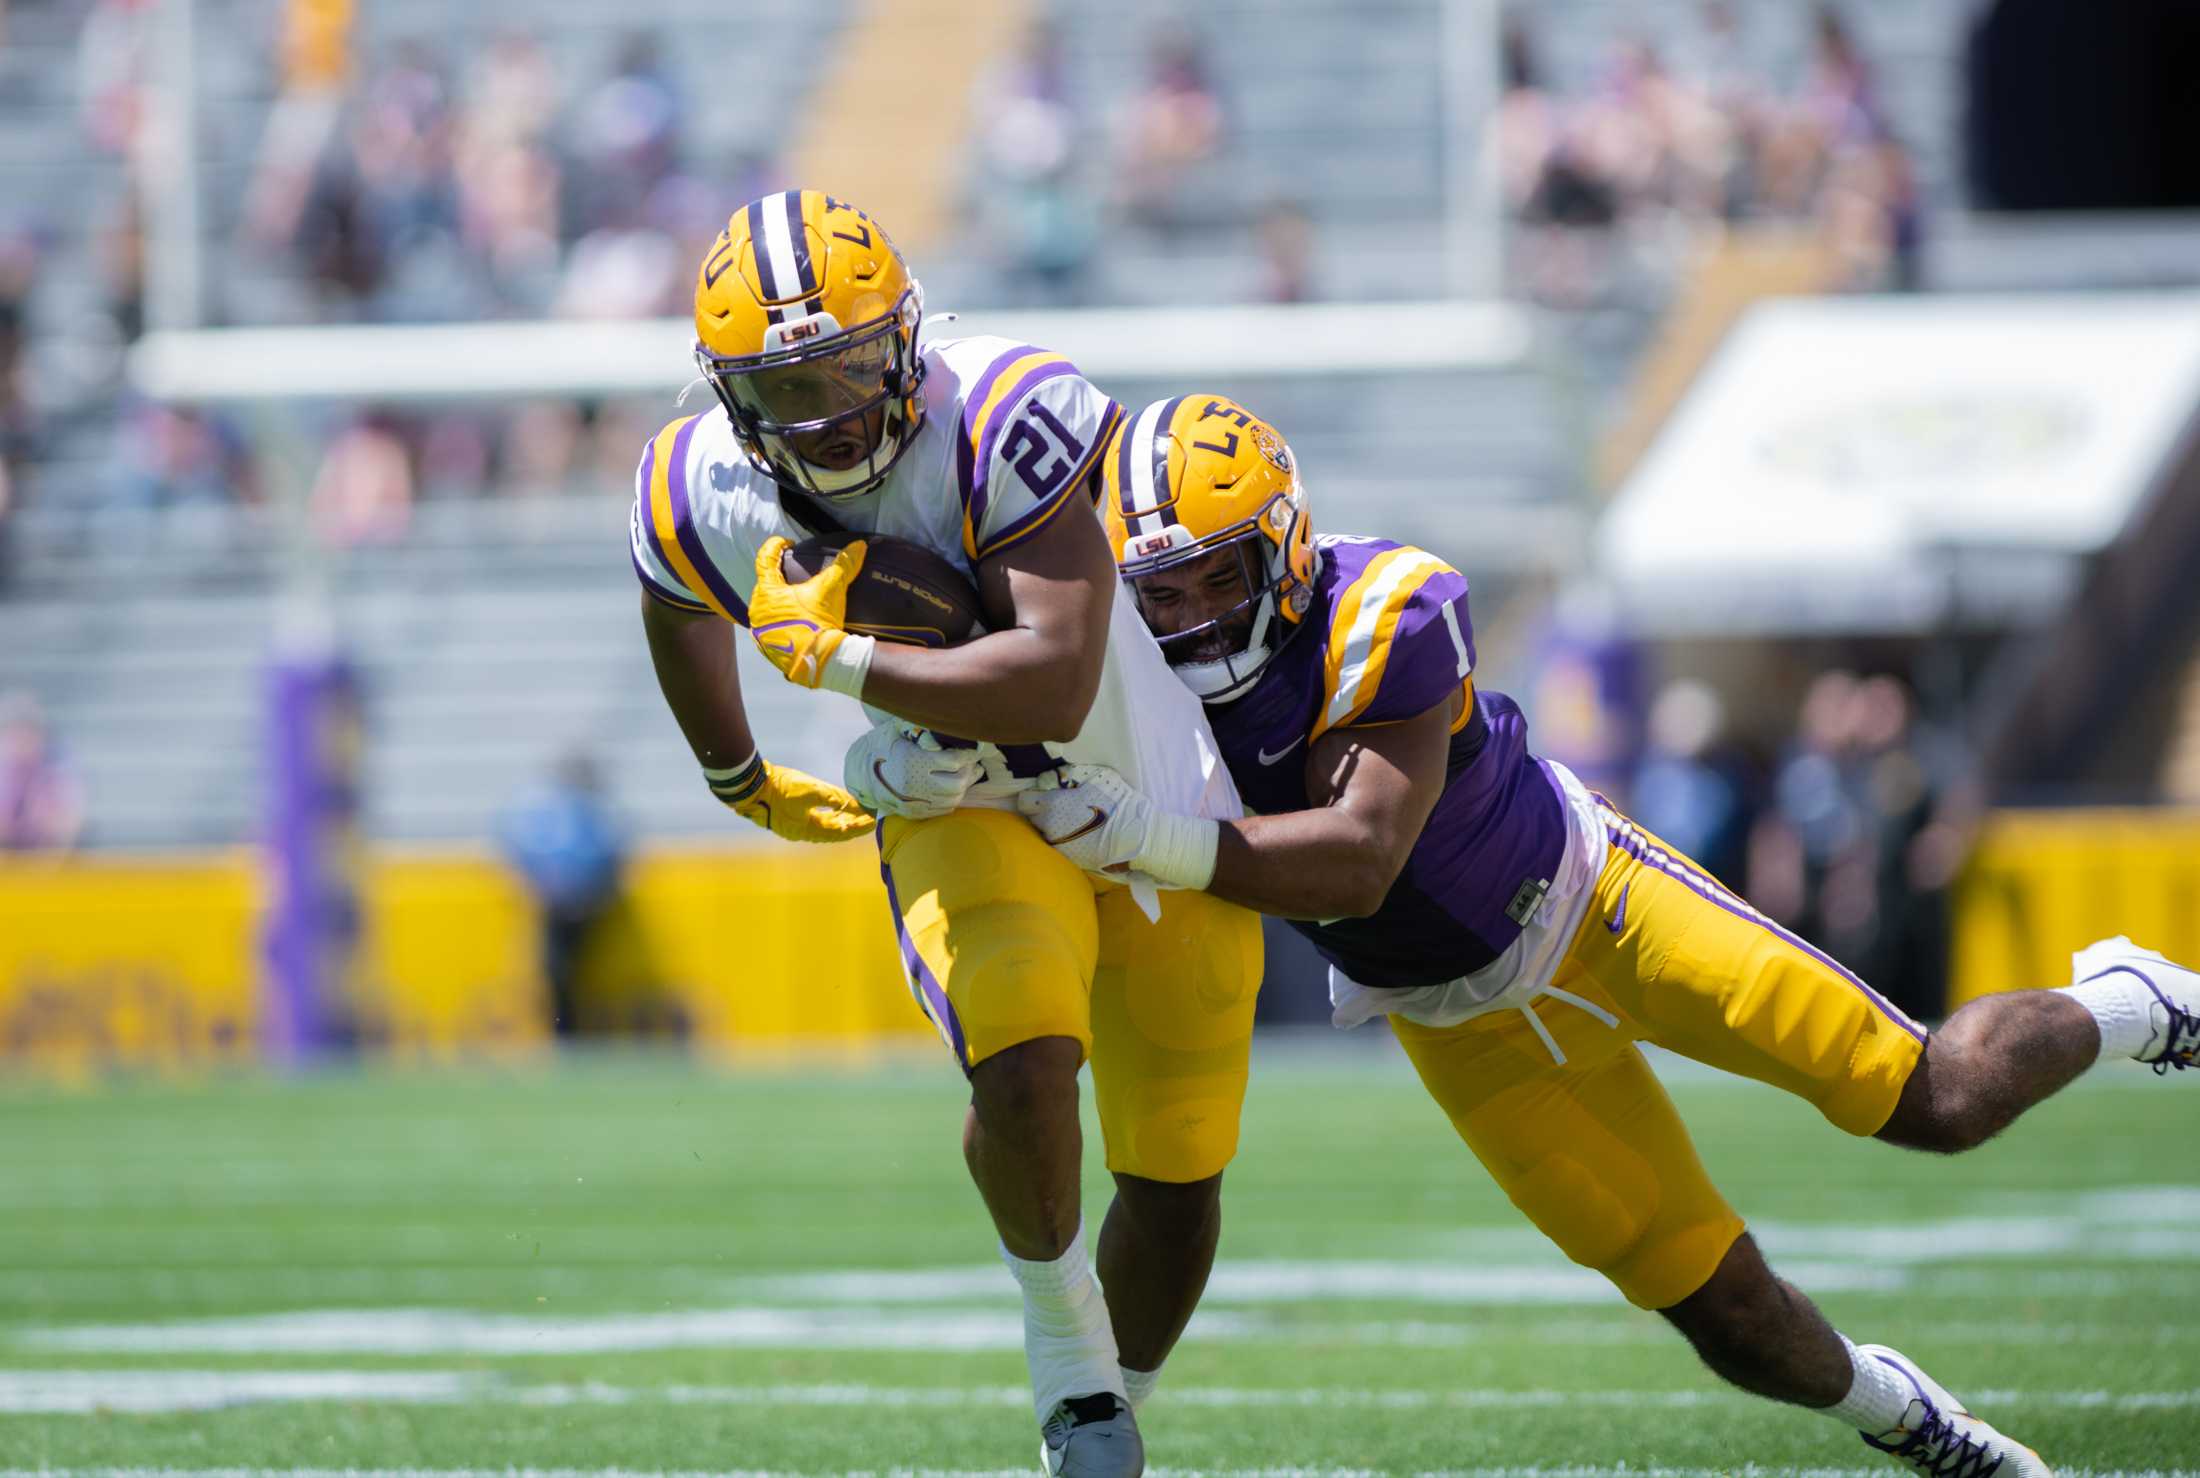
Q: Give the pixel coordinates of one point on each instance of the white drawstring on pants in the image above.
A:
(1550, 1043)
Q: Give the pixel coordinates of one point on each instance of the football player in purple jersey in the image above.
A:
(1523, 936)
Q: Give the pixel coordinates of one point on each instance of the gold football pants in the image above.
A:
(1004, 941)
(1592, 1150)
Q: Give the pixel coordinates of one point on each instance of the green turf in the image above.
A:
(628, 1185)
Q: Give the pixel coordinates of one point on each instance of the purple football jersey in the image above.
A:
(1388, 637)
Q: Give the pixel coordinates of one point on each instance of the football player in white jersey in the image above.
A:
(833, 415)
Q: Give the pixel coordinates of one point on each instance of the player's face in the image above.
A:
(844, 444)
(1211, 591)
(831, 407)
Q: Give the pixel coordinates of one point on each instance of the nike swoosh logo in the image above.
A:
(1618, 920)
(1099, 819)
(878, 773)
(1268, 759)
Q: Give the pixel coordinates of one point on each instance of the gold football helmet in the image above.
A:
(806, 322)
(1188, 477)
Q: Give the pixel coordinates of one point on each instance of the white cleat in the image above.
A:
(1092, 1437)
(2173, 1012)
(1939, 1437)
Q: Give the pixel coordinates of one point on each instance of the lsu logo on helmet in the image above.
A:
(1198, 474)
(806, 323)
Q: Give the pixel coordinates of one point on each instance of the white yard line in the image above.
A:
(590, 1393)
(850, 1323)
(2105, 1241)
(198, 1390)
(458, 1332)
(206, 1390)
(853, 1326)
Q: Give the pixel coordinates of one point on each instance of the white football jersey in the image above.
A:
(1010, 435)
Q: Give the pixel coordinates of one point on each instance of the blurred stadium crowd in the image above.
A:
(400, 177)
(1608, 183)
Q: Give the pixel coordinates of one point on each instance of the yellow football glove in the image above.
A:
(799, 626)
(788, 803)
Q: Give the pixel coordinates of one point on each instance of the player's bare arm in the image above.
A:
(1033, 676)
(692, 653)
(1340, 859)
(1373, 789)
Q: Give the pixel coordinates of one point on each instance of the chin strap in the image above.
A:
(1235, 685)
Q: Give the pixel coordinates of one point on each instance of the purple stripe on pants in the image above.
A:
(922, 982)
(1632, 840)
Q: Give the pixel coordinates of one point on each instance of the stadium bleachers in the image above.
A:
(127, 626)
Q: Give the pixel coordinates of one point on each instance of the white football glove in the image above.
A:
(897, 770)
(1091, 815)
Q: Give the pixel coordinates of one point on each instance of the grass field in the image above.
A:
(635, 1264)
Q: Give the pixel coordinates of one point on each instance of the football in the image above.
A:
(904, 593)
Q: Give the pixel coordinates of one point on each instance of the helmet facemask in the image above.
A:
(1218, 658)
(824, 410)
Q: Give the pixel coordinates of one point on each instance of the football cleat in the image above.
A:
(1938, 1436)
(1092, 1437)
(2174, 1012)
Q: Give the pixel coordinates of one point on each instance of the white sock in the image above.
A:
(1878, 1397)
(2122, 1008)
(1067, 1337)
(1139, 1384)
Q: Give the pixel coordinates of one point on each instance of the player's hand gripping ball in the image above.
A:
(799, 626)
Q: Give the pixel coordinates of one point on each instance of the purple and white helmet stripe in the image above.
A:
(782, 251)
(1147, 454)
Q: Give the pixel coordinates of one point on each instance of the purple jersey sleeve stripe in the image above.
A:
(683, 526)
(1029, 523)
(1634, 841)
(988, 436)
(1034, 519)
(975, 400)
(1430, 653)
(1108, 427)
(969, 466)
(658, 590)
(637, 540)
(931, 996)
